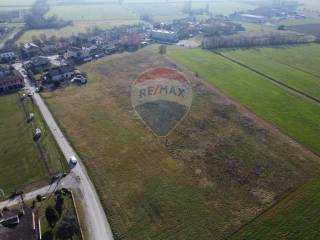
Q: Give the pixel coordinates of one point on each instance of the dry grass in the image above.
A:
(219, 168)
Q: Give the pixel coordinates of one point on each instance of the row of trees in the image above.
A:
(35, 18)
(67, 227)
(251, 40)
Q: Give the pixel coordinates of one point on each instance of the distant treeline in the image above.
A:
(35, 18)
(252, 39)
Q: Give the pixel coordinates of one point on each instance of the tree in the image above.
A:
(39, 198)
(163, 49)
(51, 216)
(59, 204)
(68, 227)
(47, 235)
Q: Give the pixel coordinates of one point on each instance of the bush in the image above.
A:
(59, 204)
(68, 227)
(51, 216)
(47, 235)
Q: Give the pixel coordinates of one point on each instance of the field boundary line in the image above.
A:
(291, 66)
(281, 199)
(268, 77)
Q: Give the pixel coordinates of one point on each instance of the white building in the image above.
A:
(164, 36)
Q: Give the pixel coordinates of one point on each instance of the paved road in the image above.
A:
(29, 196)
(96, 220)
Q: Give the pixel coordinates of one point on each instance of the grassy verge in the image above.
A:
(53, 155)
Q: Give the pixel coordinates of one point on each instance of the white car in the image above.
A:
(73, 161)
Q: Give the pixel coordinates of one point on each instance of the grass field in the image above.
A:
(103, 12)
(297, 74)
(295, 217)
(76, 28)
(19, 163)
(293, 114)
(220, 168)
(84, 16)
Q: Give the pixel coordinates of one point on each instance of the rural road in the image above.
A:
(29, 196)
(78, 180)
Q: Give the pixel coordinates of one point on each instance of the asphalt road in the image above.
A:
(78, 180)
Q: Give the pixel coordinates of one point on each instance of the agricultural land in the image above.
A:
(219, 169)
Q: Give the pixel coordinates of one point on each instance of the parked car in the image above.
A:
(73, 161)
(37, 134)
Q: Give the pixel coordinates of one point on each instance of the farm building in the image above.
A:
(19, 224)
(164, 36)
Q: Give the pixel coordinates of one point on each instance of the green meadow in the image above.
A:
(292, 113)
(294, 68)
(19, 162)
(295, 217)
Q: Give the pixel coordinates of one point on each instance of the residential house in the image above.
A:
(7, 55)
(19, 224)
(73, 53)
(10, 80)
(131, 40)
(49, 49)
(59, 74)
(31, 50)
(38, 64)
(4, 71)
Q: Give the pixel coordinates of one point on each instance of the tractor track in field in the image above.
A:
(317, 100)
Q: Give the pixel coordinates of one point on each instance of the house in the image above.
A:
(49, 50)
(10, 81)
(7, 55)
(4, 71)
(61, 73)
(39, 61)
(30, 50)
(19, 224)
(164, 36)
(131, 40)
(39, 64)
(73, 52)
